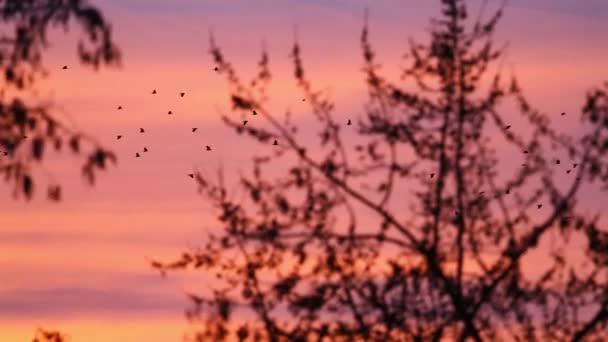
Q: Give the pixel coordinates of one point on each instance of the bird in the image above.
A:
(303, 100)
(568, 171)
(182, 94)
(119, 107)
(557, 162)
(526, 152)
(508, 191)
(137, 155)
(432, 175)
(244, 122)
(194, 129)
(563, 113)
(349, 123)
(6, 153)
(255, 113)
(141, 130)
(153, 91)
(208, 148)
(145, 149)
(118, 137)
(508, 126)
(65, 67)
(216, 68)
(539, 206)
(191, 175)
(574, 166)
(169, 112)
(275, 143)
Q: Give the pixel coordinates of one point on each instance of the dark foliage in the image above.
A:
(314, 256)
(27, 131)
(43, 335)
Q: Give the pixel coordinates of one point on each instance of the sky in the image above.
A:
(81, 265)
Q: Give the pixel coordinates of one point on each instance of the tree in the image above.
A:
(294, 261)
(27, 131)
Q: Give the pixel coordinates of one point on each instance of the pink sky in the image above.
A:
(80, 265)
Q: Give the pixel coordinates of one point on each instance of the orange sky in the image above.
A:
(80, 265)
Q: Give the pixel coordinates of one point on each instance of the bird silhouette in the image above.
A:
(119, 107)
(191, 175)
(539, 206)
(216, 68)
(208, 148)
(194, 129)
(153, 91)
(349, 123)
(182, 94)
(137, 155)
(244, 122)
(169, 112)
(563, 113)
(508, 191)
(557, 162)
(568, 171)
(432, 175)
(255, 113)
(526, 152)
(145, 149)
(574, 166)
(65, 67)
(141, 130)
(508, 126)
(275, 142)
(118, 137)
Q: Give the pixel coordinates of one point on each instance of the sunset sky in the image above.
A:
(80, 265)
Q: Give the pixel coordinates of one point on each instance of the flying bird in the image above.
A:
(574, 166)
(119, 107)
(65, 67)
(563, 113)
(182, 94)
(194, 129)
(145, 149)
(557, 162)
(191, 175)
(153, 91)
(526, 152)
(216, 68)
(349, 123)
(432, 175)
(118, 137)
(568, 171)
(255, 113)
(169, 112)
(275, 143)
(244, 122)
(208, 148)
(539, 206)
(137, 155)
(141, 130)
(508, 126)
(508, 191)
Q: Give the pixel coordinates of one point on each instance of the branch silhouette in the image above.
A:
(299, 259)
(28, 131)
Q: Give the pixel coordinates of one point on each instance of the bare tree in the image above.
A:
(27, 131)
(456, 218)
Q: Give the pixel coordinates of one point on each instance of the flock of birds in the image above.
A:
(275, 142)
(182, 94)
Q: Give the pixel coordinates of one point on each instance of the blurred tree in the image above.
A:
(48, 336)
(313, 256)
(27, 131)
